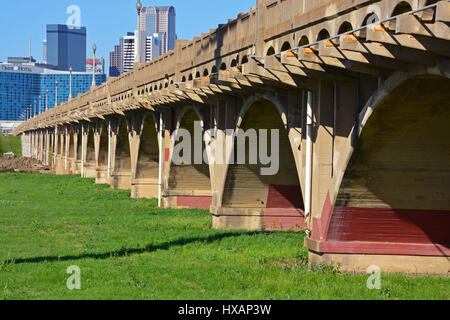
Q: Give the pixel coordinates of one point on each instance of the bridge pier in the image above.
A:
(88, 163)
(188, 180)
(120, 154)
(61, 152)
(101, 151)
(361, 117)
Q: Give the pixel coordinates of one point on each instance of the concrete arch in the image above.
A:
(286, 45)
(102, 161)
(304, 40)
(275, 201)
(145, 183)
(402, 7)
(345, 27)
(121, 164)
(270, 51)
(188, 185)
(395, 126)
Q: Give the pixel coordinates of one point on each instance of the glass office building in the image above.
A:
(23, 89)
(66, 47)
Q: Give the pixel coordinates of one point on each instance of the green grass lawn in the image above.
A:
(129, 249)
(10, 144)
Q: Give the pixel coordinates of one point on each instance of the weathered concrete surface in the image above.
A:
(378, 98)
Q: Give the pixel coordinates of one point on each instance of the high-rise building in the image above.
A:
(160, 20)
(66, 47)
(23, 89)
(128, 51)
(115, 61)
(99, 65)
(158, 35)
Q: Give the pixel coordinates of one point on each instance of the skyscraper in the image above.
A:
(158, 35)
(66, 47)
(115, 61)
(128, 51)
(159, 20)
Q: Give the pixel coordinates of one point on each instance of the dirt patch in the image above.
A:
(14, 164)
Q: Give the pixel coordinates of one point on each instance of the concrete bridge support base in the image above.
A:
(358, 263)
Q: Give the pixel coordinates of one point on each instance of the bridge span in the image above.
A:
(359, 92)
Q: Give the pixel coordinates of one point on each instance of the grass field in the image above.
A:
(10, 144)
(129, 249)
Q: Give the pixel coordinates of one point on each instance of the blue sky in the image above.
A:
(106, 21)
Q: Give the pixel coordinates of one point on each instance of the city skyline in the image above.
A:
(192, 20)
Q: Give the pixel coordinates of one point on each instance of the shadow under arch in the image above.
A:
(71, 168)
(146, 182)
(121, 166)
(189, 184)
(102, 161)
(396, 187)
(270, 202)
(79, 150)
(89, 164)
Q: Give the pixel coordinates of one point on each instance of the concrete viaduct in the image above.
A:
(359, 90)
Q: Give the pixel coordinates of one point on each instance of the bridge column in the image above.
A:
(72, 139)
(89, 163)
(101, 151)
(187, 182)
(77, 142)
(120, 153)
(55, 147)
(145, 148)
(60, 164)
(47, 147)
(251, 194)
(33, 145)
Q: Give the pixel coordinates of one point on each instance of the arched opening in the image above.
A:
(286, 46)
(190, 77)
(234, 63)
(303, 41)
(270, 51)
(121, 173)
(223, 66)
(402, 7)
(197, 75)
(90, 151)
(102, 165)
(323, 34)
(205, 73)
(62, 143)
(345, 27)
(189, 182)
(277, 195)
(370, 19)
(214, 70)
(71, 154)
(397, 185)
(147, 169)
(244, 59)
(79, 146)
(183, 79)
